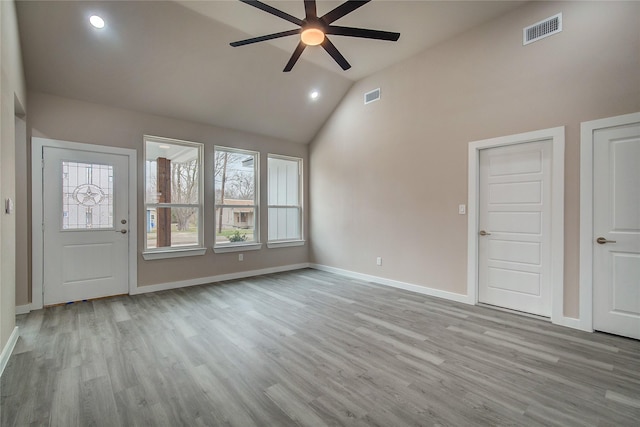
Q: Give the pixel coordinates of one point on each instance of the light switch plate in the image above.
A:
(8, 206)
(462, 209)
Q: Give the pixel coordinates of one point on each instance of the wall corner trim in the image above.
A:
(396, 284)
(23, 309)
(573, 323)
(8, 349)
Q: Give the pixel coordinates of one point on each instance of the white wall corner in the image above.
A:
(8, 349)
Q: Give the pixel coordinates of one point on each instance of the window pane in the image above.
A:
(284, 195)
(283, 182)
(235, 183)
(235, 180)
(87, 196)
(172, 173)
(172, 227)
(235, 225)
(284, 224)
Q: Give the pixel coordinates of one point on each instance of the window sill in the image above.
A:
(173, 253)
(285, 244)
(237, 248)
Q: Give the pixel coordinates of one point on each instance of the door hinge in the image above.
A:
(43, 226)
(42, 163)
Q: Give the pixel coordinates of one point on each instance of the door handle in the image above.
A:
(123, 231)
(484, 233)
(602, 240)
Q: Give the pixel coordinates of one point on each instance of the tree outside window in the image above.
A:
(236, 206)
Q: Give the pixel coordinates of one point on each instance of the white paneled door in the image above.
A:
(616, 230)
(514, 263)
(86, 230)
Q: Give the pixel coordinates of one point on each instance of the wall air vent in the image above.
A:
(542, 29)
(371, 96)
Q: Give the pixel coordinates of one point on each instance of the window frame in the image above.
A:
(178, 251)
(239, 246)
(300, 206)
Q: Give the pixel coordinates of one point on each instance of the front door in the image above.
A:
(85, 207)
(514, 261)
(616, 230)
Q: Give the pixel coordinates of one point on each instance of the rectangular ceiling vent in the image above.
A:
(371, 96)
(542, 29)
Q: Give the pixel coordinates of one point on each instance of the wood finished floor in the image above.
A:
(310, 348)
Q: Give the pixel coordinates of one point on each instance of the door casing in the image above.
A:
(557, 214)
(587, 130)
(37, 240)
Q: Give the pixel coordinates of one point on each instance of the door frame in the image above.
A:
(37, 207)
(557, 136)
(586, 210)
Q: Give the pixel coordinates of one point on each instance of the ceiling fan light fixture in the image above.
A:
(312, 36)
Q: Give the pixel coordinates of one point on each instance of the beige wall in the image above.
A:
(77, 121)
(387, 178)
(12, 102)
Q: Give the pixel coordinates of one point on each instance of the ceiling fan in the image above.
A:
(313, 29)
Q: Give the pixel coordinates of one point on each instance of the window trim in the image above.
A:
(239, 246)
(178, 251)
(300, 206)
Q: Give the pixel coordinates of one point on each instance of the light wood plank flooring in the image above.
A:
(310, 348)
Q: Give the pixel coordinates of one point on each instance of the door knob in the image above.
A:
(123, 231)
(602, 240)
(484, 233)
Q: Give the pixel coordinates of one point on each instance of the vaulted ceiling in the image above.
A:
(173, 58)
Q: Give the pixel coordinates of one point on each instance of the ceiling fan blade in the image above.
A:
(340, 11)
(337, 56)
(363, 33)
(267, 37)
(294, 57)
(310, 9)
(272, 10)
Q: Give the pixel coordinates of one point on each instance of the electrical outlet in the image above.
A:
(240, 257)
(379, 261)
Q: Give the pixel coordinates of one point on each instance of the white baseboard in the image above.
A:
(571, 322)
(23, 309)
(212, 279)
(396, 284)
(8, 349)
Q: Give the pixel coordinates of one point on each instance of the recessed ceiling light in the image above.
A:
(314, 95)
(96, 21)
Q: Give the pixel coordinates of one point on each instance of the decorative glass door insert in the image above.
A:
(87, 196)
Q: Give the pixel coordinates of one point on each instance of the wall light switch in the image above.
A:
(8, 206)
(462, 209)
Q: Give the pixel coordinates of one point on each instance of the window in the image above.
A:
(285, 200)
(87, 196)
(173, 196)
(236, 199)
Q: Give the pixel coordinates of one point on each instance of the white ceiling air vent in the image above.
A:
(542, 29)
(371, 96)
